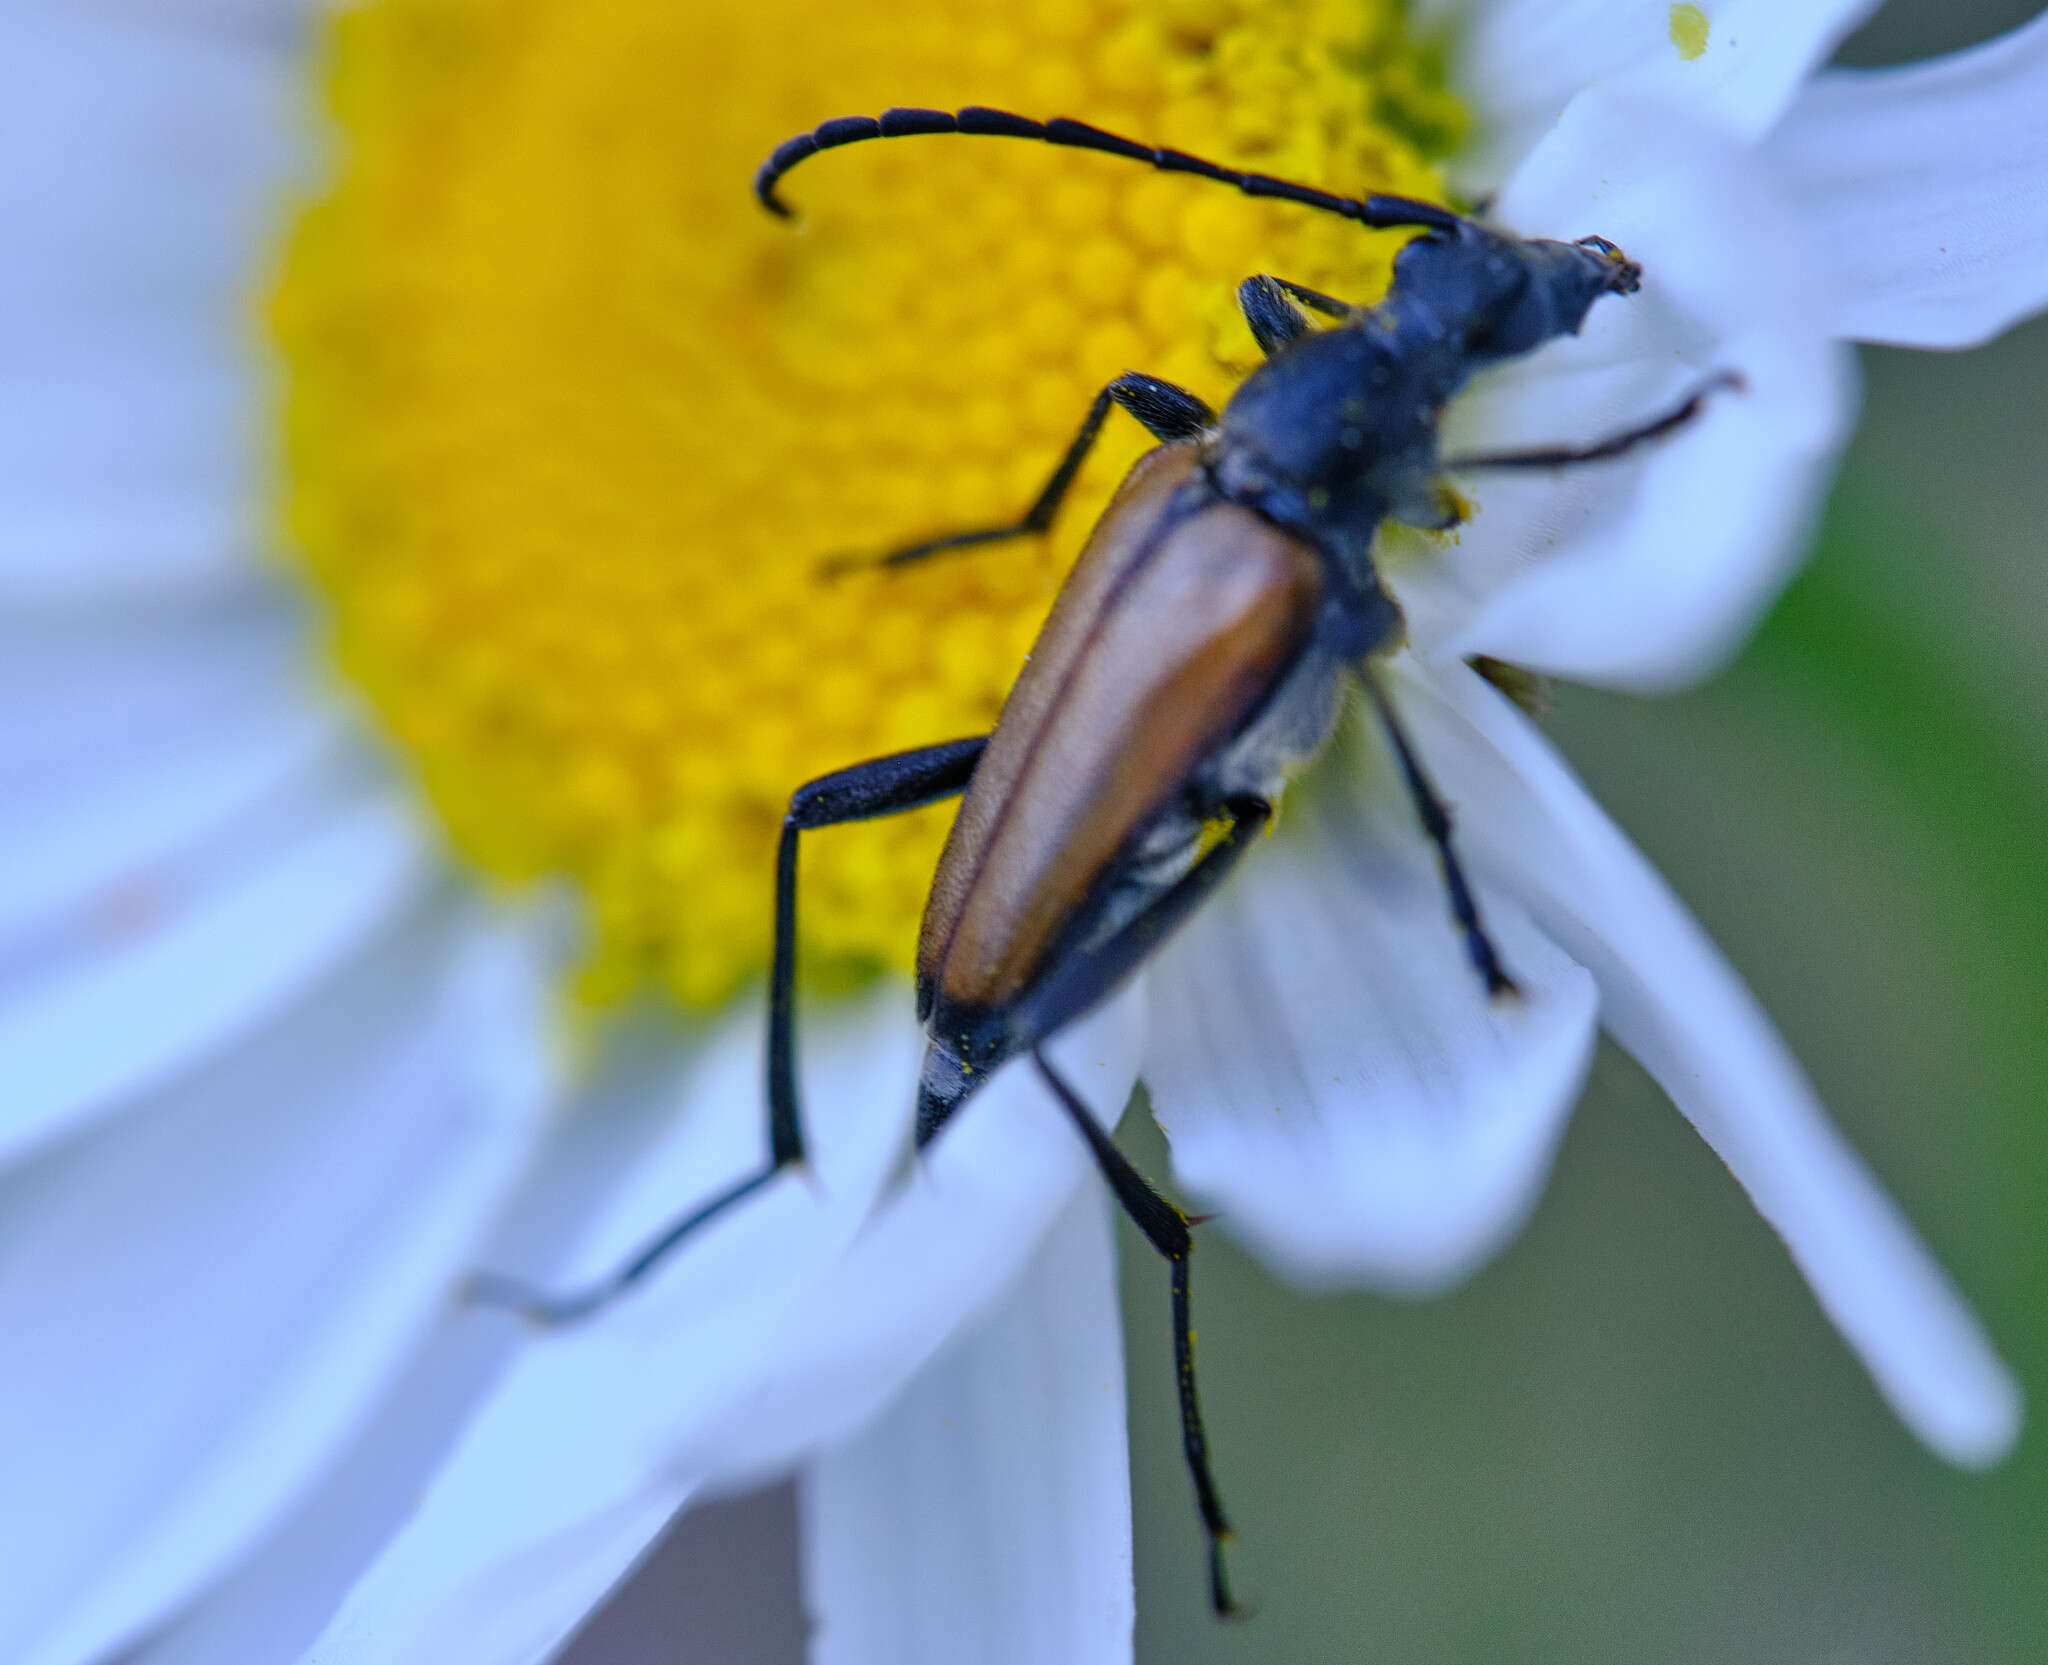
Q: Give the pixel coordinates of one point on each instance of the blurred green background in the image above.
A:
(1633, 1438)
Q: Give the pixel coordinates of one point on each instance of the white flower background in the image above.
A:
(1634, 1438)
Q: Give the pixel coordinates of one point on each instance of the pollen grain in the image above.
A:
(1689, 31)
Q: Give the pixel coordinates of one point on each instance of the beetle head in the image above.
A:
(1554, 286)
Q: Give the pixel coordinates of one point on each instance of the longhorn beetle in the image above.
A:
(1195, 658)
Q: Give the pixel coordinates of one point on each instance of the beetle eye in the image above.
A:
(1627, 277)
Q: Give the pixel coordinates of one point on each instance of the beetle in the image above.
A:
(1196, 657)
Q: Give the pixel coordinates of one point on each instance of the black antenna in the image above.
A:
(978, 122)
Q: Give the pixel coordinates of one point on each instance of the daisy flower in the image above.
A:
(492, 576)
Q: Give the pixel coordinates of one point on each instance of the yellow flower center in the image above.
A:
(570, 422)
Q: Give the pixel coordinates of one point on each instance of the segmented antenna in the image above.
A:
(977, 121)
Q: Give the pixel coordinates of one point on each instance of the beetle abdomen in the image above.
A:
(1177, 624)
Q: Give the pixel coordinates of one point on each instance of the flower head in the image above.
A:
(566, 428)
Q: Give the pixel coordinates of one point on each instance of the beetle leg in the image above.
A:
(1614, 445)
(1436, 822)
(1273, 317)
(882, 786)
(1274, 320)
(1167, 412)
(1316, 301)
(1166, 1229)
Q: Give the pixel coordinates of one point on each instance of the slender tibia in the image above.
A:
(1615, 445)
(883, 786)
(1166, 1229)
(1167, 412)
(537, 1306)
(1436, 822)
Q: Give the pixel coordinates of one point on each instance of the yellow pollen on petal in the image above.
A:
(570, 424)
(1689, 30)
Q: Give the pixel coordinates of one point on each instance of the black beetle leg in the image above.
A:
(883, 786)
(1270, 313)
(1436, 822)
(1168, 413)
(1083, 980)
(1316, 301)
(1614, 445)
(1274, 320)
(1166, 1229)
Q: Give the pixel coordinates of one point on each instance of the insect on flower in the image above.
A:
(1196, 657)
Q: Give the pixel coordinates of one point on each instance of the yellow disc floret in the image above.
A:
(571, 423)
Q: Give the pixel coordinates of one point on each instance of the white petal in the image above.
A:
(113, 830)
(515, 1611)
(1670, 998)
(277, 1601)
(987, 1515)
(1334, 1080)
(139, 476)
(769, 1337)
(1520, 62)
(145, 164)
(118, 997)
(1647, 570)
(520, 1530)
(97, 687)
(276, 26)
(205, 1301)
(145, 167)
(1924, 186)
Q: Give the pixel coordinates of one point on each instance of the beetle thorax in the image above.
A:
(1338, 431)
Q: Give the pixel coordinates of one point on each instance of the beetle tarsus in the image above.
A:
(538, 1307)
